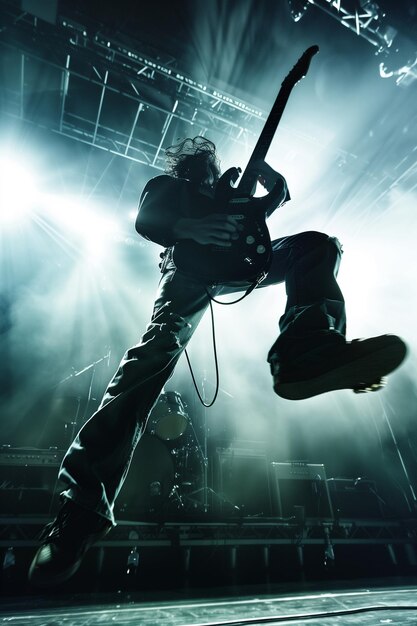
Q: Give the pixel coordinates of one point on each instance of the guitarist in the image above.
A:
(311, 355)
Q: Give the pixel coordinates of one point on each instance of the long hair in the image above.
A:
(190, 158)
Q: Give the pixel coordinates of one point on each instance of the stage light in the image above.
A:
(297, 9)
(405, 74)
(99, 236)
(89, 229)
(18, 192)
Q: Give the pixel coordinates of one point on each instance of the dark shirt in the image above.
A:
(166, 199)
(163, 202)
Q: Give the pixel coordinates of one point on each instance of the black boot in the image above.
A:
(64, 543)
(316, 366)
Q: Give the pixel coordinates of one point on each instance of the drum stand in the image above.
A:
(168, 423)
(203, 450)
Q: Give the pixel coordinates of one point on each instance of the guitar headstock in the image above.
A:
(300, 69)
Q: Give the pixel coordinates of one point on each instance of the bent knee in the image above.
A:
(334, 242)
(314, 248)
(316, 239)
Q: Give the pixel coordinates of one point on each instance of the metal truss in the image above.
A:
(367, 20)
(363, 17)
(233, 536)
(85, 85)
(22, 532)
(102, 92)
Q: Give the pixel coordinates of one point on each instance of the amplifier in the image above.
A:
(51, 457)
(299, 470)
(302, 485)
(354, 499)
(241, 479)
(28, 480)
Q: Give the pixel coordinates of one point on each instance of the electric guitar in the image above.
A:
(249, 257)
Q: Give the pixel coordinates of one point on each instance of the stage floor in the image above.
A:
(381, 602)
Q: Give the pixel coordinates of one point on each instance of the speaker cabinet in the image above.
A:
(301, 490)
(355, 499)
(28, 480)
(241, 479)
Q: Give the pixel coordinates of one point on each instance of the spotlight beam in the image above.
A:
(165, 130)
(135, 121)
(64, 91)
(100, 106)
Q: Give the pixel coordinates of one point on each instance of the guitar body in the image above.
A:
(248, 257)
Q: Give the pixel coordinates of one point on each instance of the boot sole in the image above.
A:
(40, 579)
(45, 581)
(385, 354)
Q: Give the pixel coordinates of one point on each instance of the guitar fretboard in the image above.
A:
(265, 139)
(299, 70)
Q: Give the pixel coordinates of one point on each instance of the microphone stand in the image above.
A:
(205, 448)
(74, 423)
(92, 366)
(413, 505)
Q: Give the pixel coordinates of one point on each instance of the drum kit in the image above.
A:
(167, 474)
(168, 419)
(169, 469)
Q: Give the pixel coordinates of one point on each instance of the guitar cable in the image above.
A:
(247, 292)
(216, 364)
(213, 334)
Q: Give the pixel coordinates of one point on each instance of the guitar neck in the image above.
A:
(299, 70)
(262, 145)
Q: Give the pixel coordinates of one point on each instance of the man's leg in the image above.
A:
(308, 263)
(311, 355)
(97, 462)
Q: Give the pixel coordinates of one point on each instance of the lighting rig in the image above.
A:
(367, 20)
(101, 91)
(124, 97)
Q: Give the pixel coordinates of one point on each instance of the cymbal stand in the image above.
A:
(203, 450)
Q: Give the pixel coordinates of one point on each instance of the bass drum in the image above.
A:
(149, 482)
(168, 419)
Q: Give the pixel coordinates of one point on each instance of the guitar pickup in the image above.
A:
(239, 200)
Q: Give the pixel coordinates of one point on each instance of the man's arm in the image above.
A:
(274, 183)
(159, 209)
(160, 217)
(217, 228)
